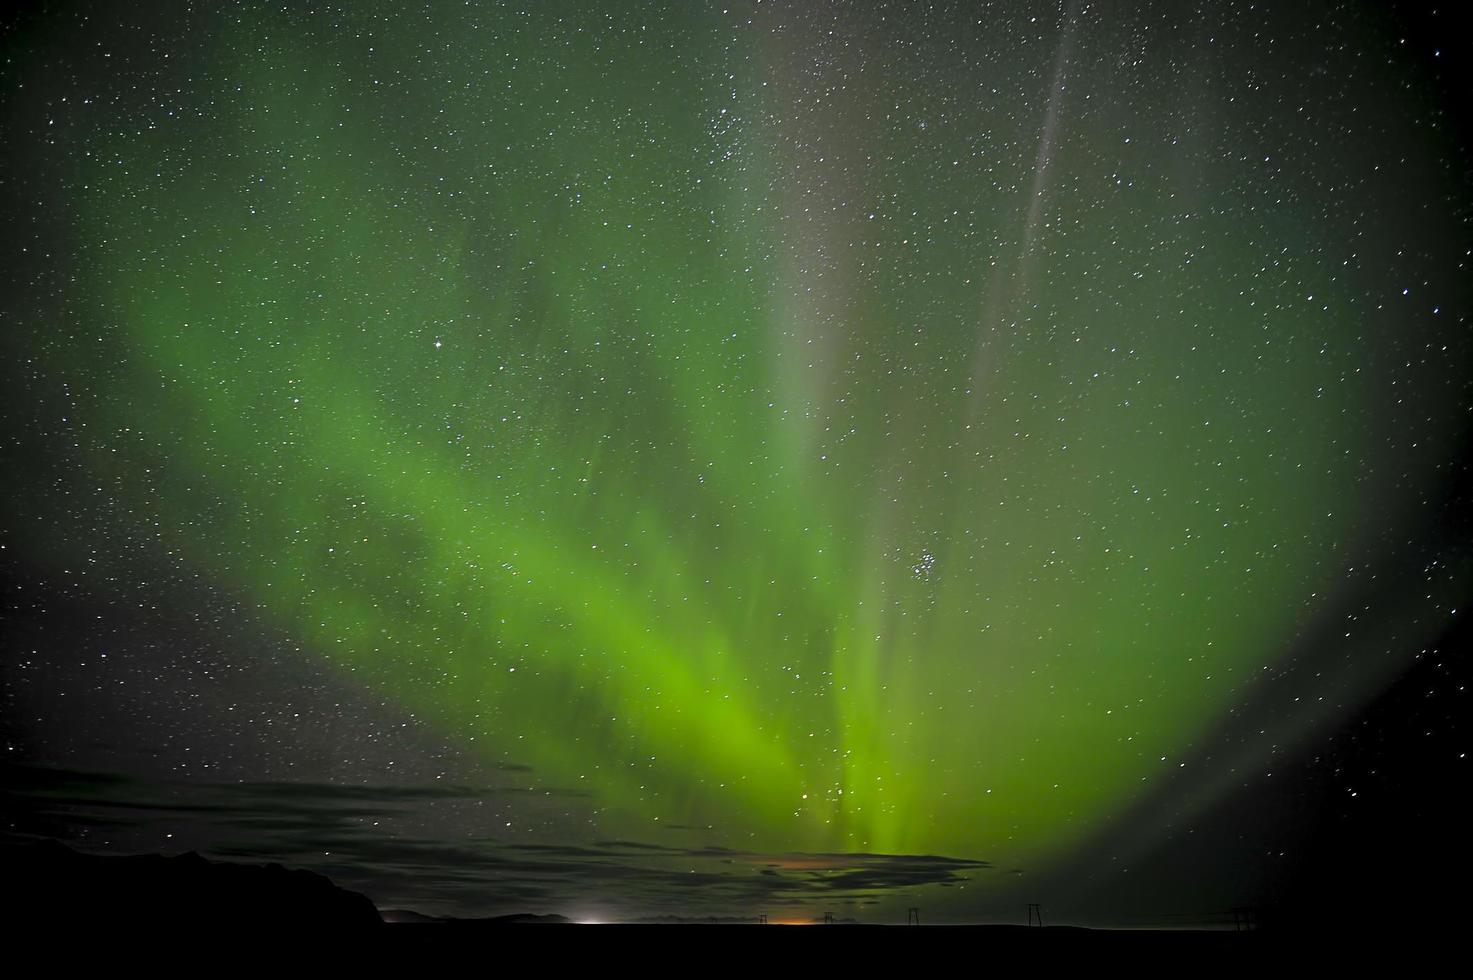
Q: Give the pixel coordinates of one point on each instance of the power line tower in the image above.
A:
(1035, 914)
(1245, 919)
(913, 917)
(828, 918)
(762, 919)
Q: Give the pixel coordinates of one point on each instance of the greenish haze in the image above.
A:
(634, 407)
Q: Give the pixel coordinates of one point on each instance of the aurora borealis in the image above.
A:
(936, 445)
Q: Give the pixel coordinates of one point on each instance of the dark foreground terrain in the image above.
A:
(46, 884)
(188, 909)
(906, 951)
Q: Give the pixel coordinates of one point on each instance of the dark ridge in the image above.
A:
(402, 916)
(48, 883)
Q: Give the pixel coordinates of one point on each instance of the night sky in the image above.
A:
(634, 459)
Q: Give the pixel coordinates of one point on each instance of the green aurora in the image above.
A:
(922, 464)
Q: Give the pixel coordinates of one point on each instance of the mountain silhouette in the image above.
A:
(408, 916)
(49, 883)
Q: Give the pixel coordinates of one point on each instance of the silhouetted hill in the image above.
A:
(406, 915)
(47, 883)
(402, 916)
(723, 920)
(523, 919)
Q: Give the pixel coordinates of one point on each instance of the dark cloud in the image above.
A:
(365, 838)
